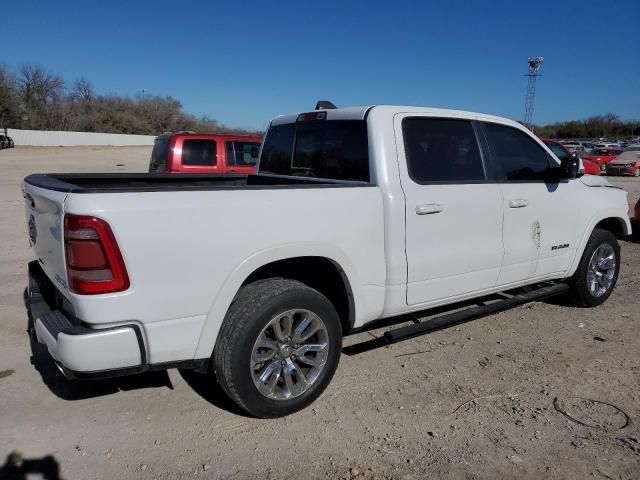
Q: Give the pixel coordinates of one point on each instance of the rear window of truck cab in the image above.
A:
(329, 149)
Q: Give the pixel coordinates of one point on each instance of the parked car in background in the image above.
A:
(627, 163)
(588, 146)
(607, 145)
(574, 147)
(191, 152)
(634, 147)
(6, 142)
(590, 168)
(602, 156)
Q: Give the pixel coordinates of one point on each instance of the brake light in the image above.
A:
(306, 117)
(94, 261)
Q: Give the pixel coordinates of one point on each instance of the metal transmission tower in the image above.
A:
(534, 68)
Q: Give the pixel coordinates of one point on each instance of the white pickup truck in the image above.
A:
(356, 214)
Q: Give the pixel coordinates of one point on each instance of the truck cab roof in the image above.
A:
(361, 112)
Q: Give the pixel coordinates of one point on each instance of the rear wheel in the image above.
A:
(278, 347)
(598, 269)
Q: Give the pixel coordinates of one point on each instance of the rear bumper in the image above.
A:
(78, 350)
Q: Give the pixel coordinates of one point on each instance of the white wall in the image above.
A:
(67, 139)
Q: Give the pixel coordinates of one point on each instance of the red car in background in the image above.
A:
(602, 156)
(562, 152)
(190, 152)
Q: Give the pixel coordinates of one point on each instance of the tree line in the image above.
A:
(601, 126)
(33, 98)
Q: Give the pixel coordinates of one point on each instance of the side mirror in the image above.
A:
(570, 166)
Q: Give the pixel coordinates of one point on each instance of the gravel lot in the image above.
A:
(483, 400)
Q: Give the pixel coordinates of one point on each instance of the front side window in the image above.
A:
(557, 150)
(516, 154)
(441, 150)
(242, 154)
(196, 152)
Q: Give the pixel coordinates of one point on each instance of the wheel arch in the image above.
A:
(284, 262)
(611, 221)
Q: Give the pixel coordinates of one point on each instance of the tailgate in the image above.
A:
(44, 210)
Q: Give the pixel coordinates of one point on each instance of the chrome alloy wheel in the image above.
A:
(602, 269)
(289, 354)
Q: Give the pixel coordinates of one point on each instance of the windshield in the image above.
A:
(330, 149)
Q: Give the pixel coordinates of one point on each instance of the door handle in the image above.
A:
(429, 208)
(518, 203)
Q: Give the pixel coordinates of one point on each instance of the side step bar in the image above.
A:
(456, 318)
(451, 319)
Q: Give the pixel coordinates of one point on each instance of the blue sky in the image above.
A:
(243, 62)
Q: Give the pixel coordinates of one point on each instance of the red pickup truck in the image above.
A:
(190, 152)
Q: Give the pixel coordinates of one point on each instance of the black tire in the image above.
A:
(254, 306)
(580, 291)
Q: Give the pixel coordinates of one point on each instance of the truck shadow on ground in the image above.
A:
(208, 388)
(78, 390)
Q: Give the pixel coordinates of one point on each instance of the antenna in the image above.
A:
(534, 67)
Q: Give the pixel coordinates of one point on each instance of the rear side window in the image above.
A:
(159, 155)
(441, 150)
(516, 154)
(199, 152)
(243, 154)
(332, 149)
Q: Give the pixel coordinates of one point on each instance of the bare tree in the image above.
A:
(9, 105)
(82, 90)
(41, 93)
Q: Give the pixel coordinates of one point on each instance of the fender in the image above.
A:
(241, 272)
(600, 216)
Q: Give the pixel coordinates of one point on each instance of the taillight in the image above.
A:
(94, 261)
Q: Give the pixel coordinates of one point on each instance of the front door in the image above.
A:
(453, 215)
(538, 215)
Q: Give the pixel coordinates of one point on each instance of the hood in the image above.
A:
(596, 181)
(626, 157)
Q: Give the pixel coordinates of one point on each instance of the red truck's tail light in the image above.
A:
(94, 261)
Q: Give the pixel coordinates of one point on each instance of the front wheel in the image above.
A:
(278, 347)
(598, 270)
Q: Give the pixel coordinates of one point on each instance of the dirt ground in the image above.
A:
(541, 391)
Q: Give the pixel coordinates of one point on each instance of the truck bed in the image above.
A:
(160, 182)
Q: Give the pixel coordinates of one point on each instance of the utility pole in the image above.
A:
(534, 68)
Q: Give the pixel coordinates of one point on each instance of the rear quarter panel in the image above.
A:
(187, 253)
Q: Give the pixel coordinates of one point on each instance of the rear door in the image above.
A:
(241, 156)
(453, 215)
